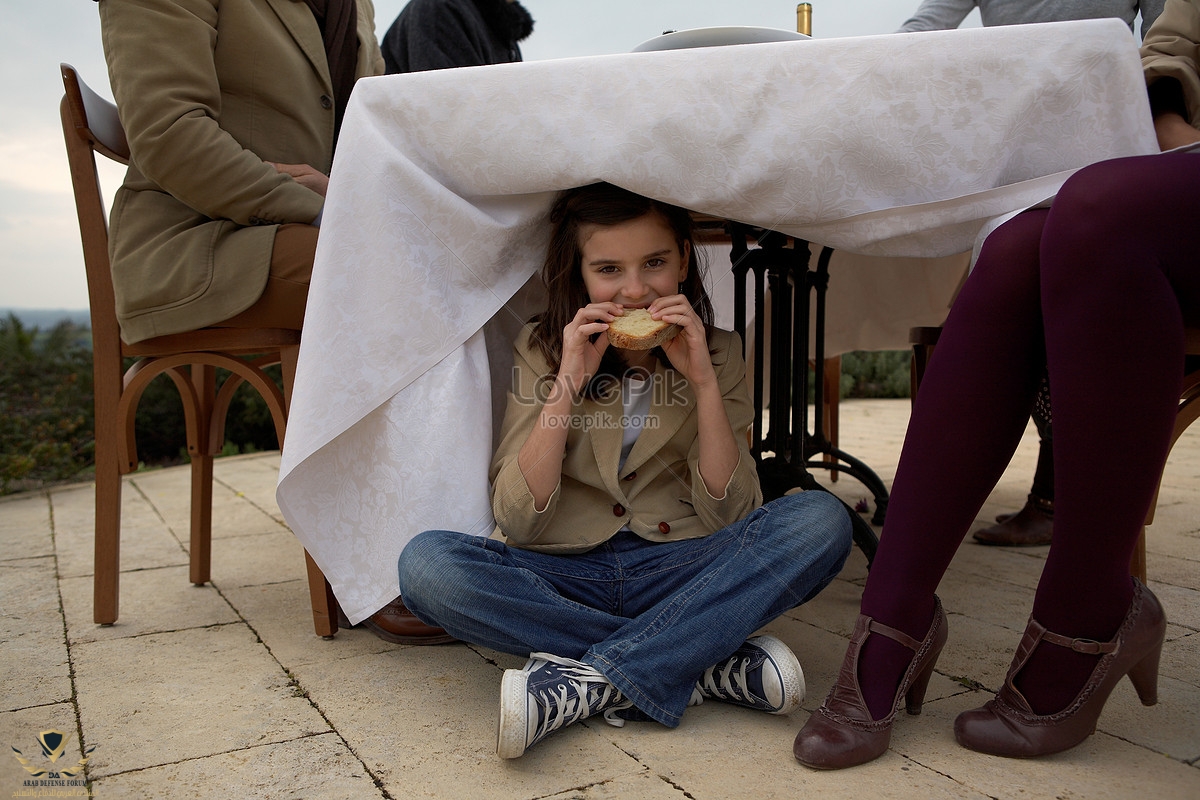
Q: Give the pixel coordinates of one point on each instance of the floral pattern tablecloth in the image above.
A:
(902, 145)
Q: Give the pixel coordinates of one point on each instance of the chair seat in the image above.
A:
(238, 341)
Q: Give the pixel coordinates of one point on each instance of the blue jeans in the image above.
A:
(651, 617)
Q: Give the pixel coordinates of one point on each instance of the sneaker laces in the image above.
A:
(727, 683)
(588, 685)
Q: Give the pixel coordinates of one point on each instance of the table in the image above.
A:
(889, 146)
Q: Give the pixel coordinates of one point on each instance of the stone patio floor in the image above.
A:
(223, 690)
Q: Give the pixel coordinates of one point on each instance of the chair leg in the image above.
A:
(324, 605)
(923, 340)
(288, 357)
(106, 575)
(106, 579)
(204, 381)
(1137, 564)
(200, 561)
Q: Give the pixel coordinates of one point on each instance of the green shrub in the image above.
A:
(161, 435)
(883, 373)
(46, 426)
(47, 430)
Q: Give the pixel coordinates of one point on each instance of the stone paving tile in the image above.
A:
(1172, 727)
(985, 599)
(146, 542)
(24, 527)
(976, 564)
(1181, 605)
(258, 559)
(312, 767)
(1174, 570)
(282, 618)
(1181, 658)
(152, 601)
(1103, 767)
(169, 491)
(835, 609)
(698, 757)
(37, 669)
(20, 729)
(31, 631)
(254, 478)
(168, 697)
(644, 786)
(423, 719)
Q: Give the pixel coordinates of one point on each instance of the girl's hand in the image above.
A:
(582, 347)
(688, 351)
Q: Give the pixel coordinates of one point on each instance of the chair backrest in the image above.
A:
(91, 125)
(95, 118)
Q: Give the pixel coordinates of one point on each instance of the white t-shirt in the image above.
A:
(636, 396)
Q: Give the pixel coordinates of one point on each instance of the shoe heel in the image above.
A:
(1144, 676)
(512, 724)
(914, 698)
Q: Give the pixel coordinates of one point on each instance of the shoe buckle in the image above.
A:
(1091, 647)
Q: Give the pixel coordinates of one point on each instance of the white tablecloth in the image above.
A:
(899, 145)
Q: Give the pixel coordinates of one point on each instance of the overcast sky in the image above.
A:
(41, 264)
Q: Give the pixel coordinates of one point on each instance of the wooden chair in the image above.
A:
(1189, 412)
(190, 360)
(924, 340)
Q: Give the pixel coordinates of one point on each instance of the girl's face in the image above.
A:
(632, 263)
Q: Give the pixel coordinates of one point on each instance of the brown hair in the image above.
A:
(562, 272)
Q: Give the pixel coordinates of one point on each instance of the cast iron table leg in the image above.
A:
(785, 270)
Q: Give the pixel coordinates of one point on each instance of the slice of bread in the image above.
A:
(637, 330)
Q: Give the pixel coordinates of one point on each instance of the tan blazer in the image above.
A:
(1170, 50)
(659, 493)
(208, 91)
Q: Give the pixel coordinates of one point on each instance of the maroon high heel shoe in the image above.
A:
(1007, 726)
(841, 732)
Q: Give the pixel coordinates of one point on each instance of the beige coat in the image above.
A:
(659, 493)
(208, 92)
(1171, 49)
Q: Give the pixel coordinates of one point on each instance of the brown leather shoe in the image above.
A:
(841, 733)
(1033, 525)
(395, 623)
(1007, 726)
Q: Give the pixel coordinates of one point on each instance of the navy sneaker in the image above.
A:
(549, 693)
(762, 674)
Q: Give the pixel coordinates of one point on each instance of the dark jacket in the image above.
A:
(439, 34)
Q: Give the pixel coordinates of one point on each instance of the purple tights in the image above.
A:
(1096, 289)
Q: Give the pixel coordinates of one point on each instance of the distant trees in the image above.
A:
(45, 404)
(47, 427)
(876, 373)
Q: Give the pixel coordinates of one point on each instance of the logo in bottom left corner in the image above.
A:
(44, 767)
